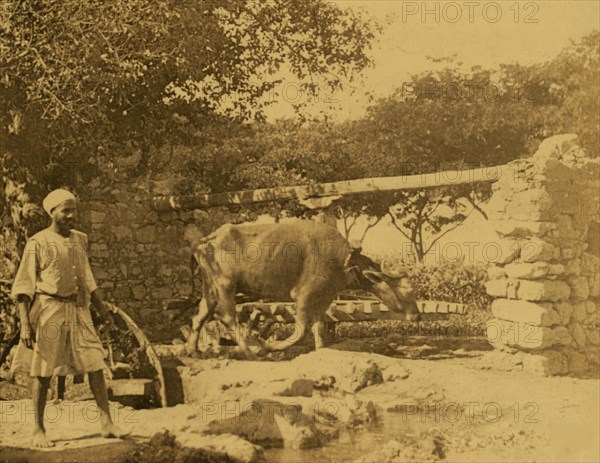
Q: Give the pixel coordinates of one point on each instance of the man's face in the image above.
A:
(64, 215)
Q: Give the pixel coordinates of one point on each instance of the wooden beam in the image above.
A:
(324, 190)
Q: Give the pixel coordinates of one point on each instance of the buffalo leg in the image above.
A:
(226, 302)
(300, 327)
(206, 309)
(318, 330)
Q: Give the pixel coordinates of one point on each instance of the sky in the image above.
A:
(487, 33)
(482, 33)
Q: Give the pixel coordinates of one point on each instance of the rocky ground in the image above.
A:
(333, 405)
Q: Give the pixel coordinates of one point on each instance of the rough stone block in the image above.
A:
(146, 234)
(533, 271)
(591, 307)
(522, 228)
(300, 387)
(572, 267)
(556, 269)
(497, 288)
(553, 147)
(121, 292)
(577, 362)
(501, 252)
(545, 290)
(579, 311)
(578, 333)
(592, 336)
(525, 312)
(594, 285)
(534, 250)
(564, 310)
(96, 217)
(138, 292)
(526, 335)
(495, 272)
(534, 204)
(164, 292)
(564, 227)
(546, 363)
(579, 288)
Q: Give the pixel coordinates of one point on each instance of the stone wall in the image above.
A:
(546, 281)
(141, 258)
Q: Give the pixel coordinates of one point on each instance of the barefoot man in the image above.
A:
(53, 288)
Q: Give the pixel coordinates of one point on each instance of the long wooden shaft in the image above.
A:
(320, 190)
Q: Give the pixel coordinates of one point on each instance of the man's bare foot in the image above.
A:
(112, 430)
(40, 440)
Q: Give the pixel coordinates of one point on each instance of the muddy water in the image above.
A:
(352, 445)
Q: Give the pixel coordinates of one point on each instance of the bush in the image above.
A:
(8, 313)
(451, 282)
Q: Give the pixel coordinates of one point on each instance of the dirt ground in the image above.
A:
(424, 404)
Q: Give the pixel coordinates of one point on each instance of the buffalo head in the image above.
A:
(393, 287)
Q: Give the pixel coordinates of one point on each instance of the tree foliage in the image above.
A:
(91, 89)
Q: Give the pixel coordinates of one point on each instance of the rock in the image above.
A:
(533, 204)
(146, 234)
(121, 292)
(526, 335)
(592, 336)
(546, 363)
(564, 310)
(577, 362)
(497, 288)
(545, 290)
(565, 228)
(591, 307)
(553, 147)
(503, 251)
(579, 287)
(297, 437)
(165, 270)
(121, 232)
(300, 387)
(96, 217)
(579, 311)
(495, 272)
(531, 271)
(556, 269)
(522, 229)
(589, 264)
(395, 372)
(526, 312)
(578, 334)
(273, 424)
(351, 373)
(594, 285)
(534, 250)
(163, 292)
(139, 292)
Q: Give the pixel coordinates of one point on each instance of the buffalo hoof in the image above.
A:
(190, 350)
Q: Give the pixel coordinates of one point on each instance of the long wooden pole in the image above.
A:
(324, 190)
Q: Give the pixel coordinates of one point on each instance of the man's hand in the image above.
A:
(103, 309)
(104, 313)
(27, 335)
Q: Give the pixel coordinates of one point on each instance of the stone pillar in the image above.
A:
(545, 276)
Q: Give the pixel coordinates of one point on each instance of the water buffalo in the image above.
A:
(306, 262)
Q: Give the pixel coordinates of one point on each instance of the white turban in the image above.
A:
(55, 198)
